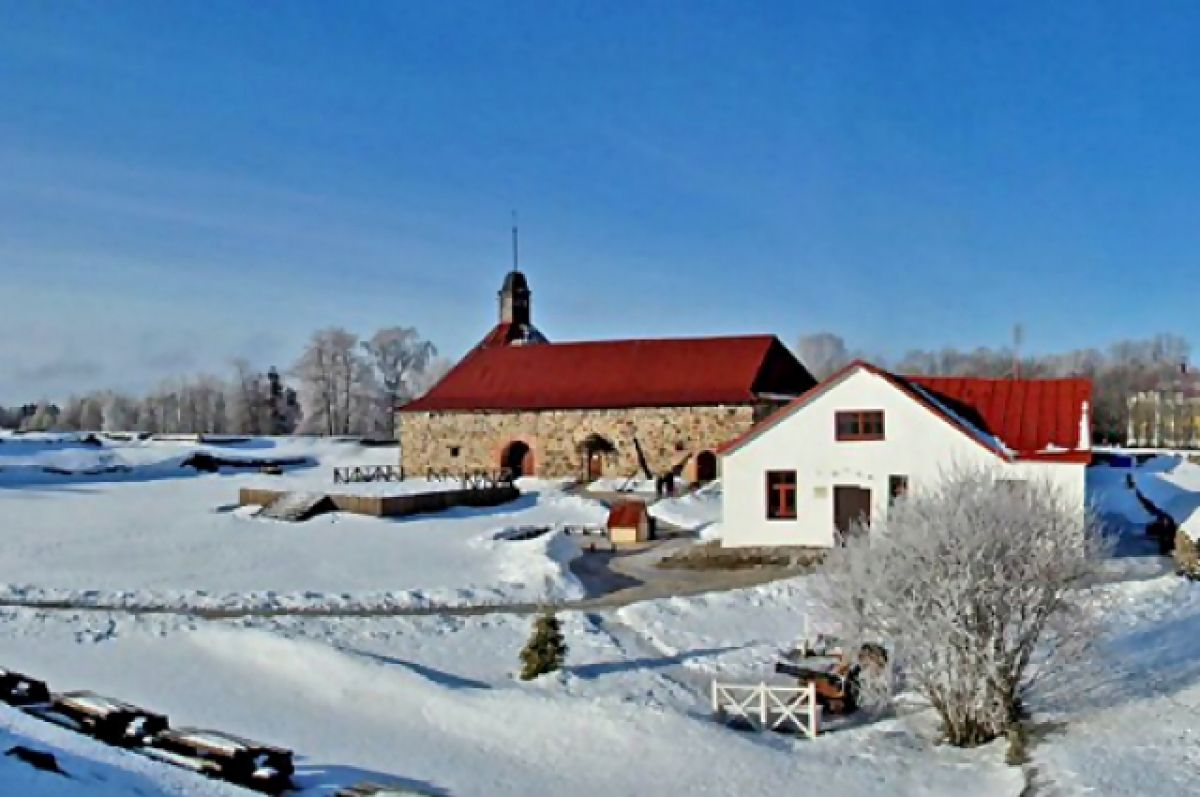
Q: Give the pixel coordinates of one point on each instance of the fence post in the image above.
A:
(715, 703)
(763, 712)
(812, 711)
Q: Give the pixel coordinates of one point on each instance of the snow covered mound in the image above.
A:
(636, 485)
(160, 535)
(35, 460)
(1172, 483)
(691, 512)
(1110, 494)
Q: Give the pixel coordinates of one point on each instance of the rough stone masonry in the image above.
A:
(458, 441)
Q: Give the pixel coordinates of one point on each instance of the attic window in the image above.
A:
(859, 425)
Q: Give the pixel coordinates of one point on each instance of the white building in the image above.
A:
(845, 448)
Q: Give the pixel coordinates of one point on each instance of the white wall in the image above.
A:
(917, 443)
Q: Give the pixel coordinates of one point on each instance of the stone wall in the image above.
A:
(395, 505)
(457, 441)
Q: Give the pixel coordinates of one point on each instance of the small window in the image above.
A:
(897, 488)
(781, 495)
(454, 451)
(859, 425)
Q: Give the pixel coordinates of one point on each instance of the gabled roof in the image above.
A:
(1032, 417)
(618, 373)
(625, 514)
(1016, 419)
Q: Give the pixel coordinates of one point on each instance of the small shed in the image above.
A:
(628, 522)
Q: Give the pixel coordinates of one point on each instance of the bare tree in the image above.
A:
(42, 419)
(964, 582)
(823, 353)
(400, 356)
(337, 389)
(437, 368)
(120, 413)
(248, 406)
(70, 419)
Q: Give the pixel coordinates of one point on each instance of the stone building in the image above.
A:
(597, 408)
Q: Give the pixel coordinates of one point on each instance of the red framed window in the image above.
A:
(859, 425)
(781, 495)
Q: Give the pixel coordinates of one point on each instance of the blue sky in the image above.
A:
(181, 183)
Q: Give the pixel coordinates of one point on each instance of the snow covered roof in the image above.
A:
(1022, 419)
(90, 701)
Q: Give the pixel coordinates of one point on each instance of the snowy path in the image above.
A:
(668, 667)
(669, 587)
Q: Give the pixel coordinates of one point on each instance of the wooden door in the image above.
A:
(851, 504)
(595, 465)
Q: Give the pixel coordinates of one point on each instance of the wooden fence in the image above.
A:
(365, 474)
(767, 708)
(473, 479)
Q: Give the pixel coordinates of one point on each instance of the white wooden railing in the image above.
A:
(768, 708)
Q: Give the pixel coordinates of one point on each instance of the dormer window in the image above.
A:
(859, 425)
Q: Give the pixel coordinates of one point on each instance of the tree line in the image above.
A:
(1117, 372)
(340, 385)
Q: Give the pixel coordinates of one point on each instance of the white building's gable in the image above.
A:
(918, 447)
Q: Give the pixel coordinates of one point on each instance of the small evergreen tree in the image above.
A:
(546, 649)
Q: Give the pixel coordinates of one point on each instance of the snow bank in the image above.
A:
(691, 512)
(434, 704)
(178, 542)
(1171, 483)
(1110, 494)
(623, 485)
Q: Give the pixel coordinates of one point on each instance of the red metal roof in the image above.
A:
(618, 373)
(1032, 419)
(507, 334)
(1028, 416)
(501, 335)
(626, 514)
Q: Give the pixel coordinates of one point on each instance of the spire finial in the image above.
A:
(516, 263)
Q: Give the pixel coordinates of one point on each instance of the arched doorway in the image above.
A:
(594, 449)
(517, 459)
(706, 467)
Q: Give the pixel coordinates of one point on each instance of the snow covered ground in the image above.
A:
(691, 512)
(159, 534)
(433, 702)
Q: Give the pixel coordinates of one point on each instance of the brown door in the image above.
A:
(851, 504)
(706, 467)
(595, 465)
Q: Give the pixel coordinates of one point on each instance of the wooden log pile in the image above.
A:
(217, 754)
